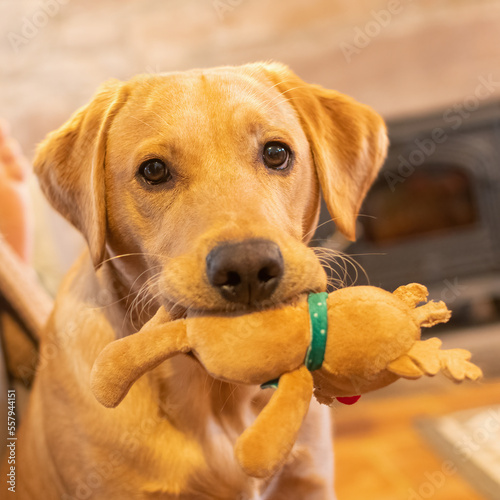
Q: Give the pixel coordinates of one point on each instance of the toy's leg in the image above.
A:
(432, 313)
(412, 294)
(265, 445)
(308, 474)
(124, 361)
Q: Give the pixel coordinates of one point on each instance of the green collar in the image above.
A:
(318, 313)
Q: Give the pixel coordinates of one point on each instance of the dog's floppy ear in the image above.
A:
(70, 166)
(348, 142)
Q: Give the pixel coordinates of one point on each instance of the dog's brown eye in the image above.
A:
(154, 171)
(276, 155)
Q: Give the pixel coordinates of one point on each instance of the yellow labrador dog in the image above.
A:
(194, 190)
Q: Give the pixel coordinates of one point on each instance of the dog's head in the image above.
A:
(213, 178)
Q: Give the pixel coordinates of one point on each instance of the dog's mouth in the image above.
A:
(240, 309)
(240, 277)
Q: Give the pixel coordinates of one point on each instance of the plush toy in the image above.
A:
(340, 345)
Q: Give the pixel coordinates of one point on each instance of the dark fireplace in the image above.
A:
(433, 215)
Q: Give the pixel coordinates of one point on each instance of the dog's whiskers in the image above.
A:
(281, 94)
(304, 237)
(130, 308)
(146, 305)
(145, 290)
(135, 254)
(145, 123)
(286, 99)
(137, 308)
(328, 256)
(231, 394)
(160, 117)
(131, 292)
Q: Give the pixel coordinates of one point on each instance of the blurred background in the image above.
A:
(432, 69)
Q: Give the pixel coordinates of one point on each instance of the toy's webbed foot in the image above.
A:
(425, 358)
(456, 365)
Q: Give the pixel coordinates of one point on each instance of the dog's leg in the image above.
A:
(309, 471)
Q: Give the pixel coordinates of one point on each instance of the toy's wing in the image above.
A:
(425, 358)
(124, 361)
(265, 445)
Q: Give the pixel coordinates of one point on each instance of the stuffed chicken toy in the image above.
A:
(338, 345)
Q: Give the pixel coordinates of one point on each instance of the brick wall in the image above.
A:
(400, 56)
(418, 54)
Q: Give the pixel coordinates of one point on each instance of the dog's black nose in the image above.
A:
(246, 272)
